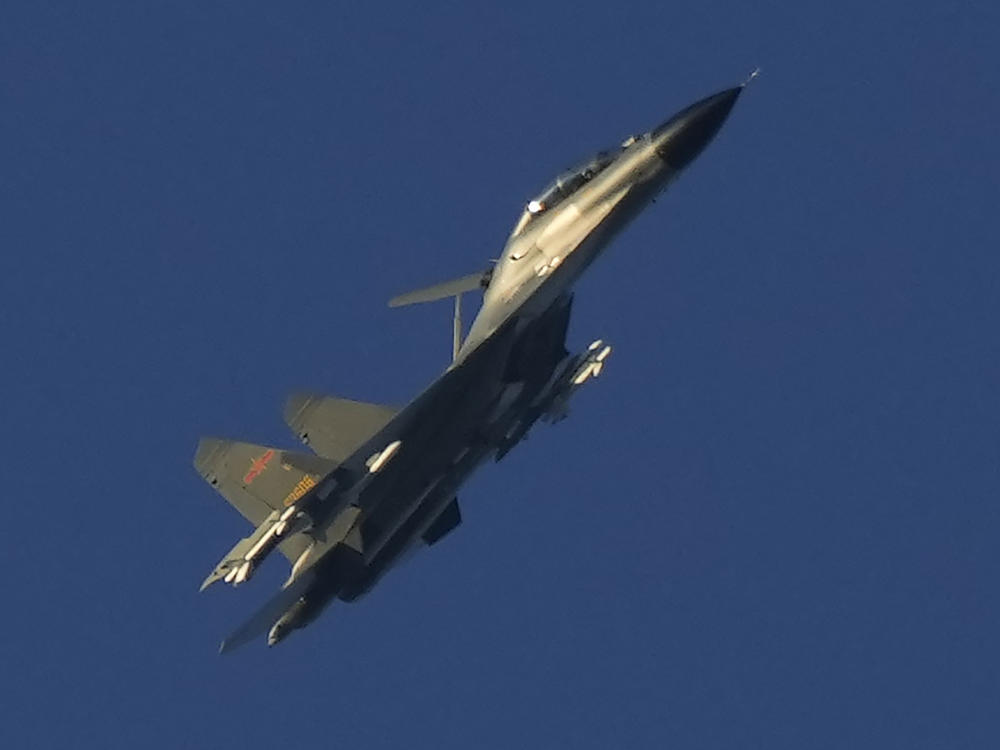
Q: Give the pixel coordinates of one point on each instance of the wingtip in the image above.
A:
(295, 408)
(402, 300)
(207, 454)
(230, 644)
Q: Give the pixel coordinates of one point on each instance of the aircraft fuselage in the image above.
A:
(512, 369)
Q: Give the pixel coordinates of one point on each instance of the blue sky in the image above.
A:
(773, 523)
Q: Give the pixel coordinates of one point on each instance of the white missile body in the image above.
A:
(242, 573)
(243, 559)
(380, 459)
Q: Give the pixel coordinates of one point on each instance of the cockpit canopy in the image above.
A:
(568, 183)
(562, 187)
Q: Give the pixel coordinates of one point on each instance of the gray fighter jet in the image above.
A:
(383, 481)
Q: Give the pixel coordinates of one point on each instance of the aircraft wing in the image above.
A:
(452, 407)
(334, 427)
(258, 480)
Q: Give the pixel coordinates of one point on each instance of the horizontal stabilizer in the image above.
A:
(439, 291)
(335, 427)
(449, 519)
(262, 620)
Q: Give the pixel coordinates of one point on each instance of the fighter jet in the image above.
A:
(380, 481)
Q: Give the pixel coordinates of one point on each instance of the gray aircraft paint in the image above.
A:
(386, 480)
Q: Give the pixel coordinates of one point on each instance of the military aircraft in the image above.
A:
(383, 481)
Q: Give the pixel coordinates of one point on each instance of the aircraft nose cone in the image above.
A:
(681, 138)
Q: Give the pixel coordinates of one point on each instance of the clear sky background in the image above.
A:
(774, 522)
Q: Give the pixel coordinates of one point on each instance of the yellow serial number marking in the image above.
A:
(305, 484)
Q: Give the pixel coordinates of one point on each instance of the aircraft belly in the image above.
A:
(424, 485)
(398, 510)
(411, 528)
(436, 448)
(432, 467)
